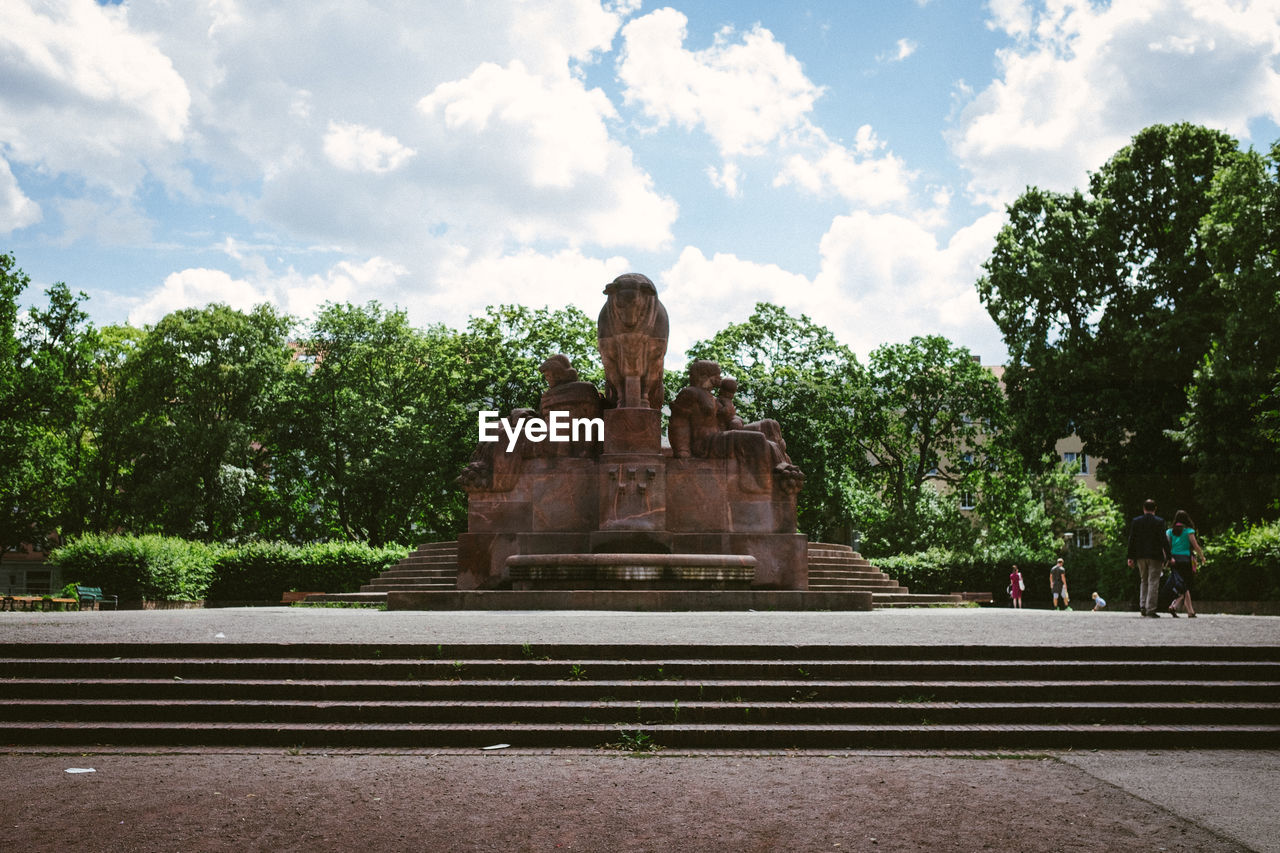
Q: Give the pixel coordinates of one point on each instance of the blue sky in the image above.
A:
(847, 160)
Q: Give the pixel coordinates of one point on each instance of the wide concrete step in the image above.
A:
(877, 586)
(863, 578)
(289, 711)
(830, 546)
(412, 575)
(690, 696)
(640, 736)
(631, 691)
(836, 572)
(408, 586)
(368, 599)
(798, 670)
(880, 600)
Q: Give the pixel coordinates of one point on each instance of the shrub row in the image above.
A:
(162, 568)
(939, 570)
(1243, 566)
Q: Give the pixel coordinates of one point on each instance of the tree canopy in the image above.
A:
(794, 371)
(1111, 302)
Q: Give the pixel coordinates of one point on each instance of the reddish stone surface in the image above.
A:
(730, 489)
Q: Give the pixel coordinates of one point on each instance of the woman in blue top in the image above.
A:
(1182, 541)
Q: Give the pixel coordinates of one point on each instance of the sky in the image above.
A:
(848, 160)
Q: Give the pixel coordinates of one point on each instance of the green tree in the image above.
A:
(1225, 432)
(100, 502)
(923, 415)
(503, 348)
(364, 431)
(1108, 304)
(44, 377)
(195, 399)
(794, 371)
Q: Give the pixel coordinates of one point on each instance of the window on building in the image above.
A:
(1083, 459)
(1084, 538)
(968, 499)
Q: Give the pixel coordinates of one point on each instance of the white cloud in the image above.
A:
(357, 148)
(1012, 16)
(195, 287)
(744, 94)
(469, 284)
(703, 295)
(883, 278)
(901, 50)
(106, 223)
(16, 210)
(853, 173)
(554, 125)
(1083, 79)
(728, 179)
(550, 168)
(752, 98)
(293, 112)
(292, 292)
(84, 92)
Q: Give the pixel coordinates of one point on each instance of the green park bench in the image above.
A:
(92, 596)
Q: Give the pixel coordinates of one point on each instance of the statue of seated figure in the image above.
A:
(493, 467)
(707, 426)
(566, 393)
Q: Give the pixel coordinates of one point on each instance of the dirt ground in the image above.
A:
(587, 801)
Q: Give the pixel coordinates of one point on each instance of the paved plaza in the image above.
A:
(911, 626)
(216, 799)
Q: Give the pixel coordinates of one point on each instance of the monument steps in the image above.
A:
(687, 697)
(834, 568)
(433, 567)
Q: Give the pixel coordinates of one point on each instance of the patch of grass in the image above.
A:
(637, 741)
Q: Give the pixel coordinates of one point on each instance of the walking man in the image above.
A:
(1058, 585)
(1149, 551)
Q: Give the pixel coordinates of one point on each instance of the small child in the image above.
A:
(1099, 603)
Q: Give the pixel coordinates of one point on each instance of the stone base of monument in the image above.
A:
(631, 599)
(631, 571)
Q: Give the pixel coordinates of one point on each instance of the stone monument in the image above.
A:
(714, 507)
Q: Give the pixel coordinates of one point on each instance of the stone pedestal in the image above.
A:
(622, 511)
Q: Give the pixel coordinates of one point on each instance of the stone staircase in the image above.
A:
(634, 697)
(433, 567)
(838, 568)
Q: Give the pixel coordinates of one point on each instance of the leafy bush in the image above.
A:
(1244, 565)
(139, 567)
(261, 571)
(938, 571)
(165, 568)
